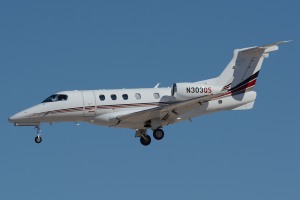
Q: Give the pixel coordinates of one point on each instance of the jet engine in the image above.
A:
(184, 91)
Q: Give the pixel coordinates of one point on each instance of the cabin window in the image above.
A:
(113, 97)
(102, 97)
(56, 97)
(125, 96)
(137, 95)
(156, 95)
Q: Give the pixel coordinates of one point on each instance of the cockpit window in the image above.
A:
(56, 97)
(62, 97)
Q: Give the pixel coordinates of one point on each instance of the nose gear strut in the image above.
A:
(38, 138)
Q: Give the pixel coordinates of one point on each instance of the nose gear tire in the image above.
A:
(38, 139)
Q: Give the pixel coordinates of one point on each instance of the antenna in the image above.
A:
(156, 86)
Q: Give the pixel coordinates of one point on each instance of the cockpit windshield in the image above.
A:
(56, 97)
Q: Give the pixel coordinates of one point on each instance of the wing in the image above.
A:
(168, 114)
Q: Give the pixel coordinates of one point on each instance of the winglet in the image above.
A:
(156, 86)
(276, 43)
(272, 47)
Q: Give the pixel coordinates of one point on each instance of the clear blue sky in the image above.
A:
(55, 46)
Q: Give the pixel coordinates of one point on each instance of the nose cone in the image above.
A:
(12, 119)
(23, 118)
(17, 117)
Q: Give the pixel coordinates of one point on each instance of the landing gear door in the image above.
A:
(89, 103)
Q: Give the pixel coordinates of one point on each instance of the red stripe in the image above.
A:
(251, 83)
(242, 88)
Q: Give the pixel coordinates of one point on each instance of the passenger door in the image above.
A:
(89, 103)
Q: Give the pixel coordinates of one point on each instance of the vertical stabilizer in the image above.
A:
(245, 66)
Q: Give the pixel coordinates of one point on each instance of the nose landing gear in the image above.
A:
(38, 138)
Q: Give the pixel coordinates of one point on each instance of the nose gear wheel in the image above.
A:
(38, 139)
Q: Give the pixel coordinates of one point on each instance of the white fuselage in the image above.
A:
(87, 106)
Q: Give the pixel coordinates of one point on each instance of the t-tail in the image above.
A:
(242, 71)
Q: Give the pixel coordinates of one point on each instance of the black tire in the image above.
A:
(145, 141)
(38, 139)
(158, 134)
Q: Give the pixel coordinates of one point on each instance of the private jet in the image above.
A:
(154, 108)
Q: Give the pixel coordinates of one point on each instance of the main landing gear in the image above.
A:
(158, 134)
(145, 139)
(38, 138)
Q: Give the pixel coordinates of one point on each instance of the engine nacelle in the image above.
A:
(184, 91)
